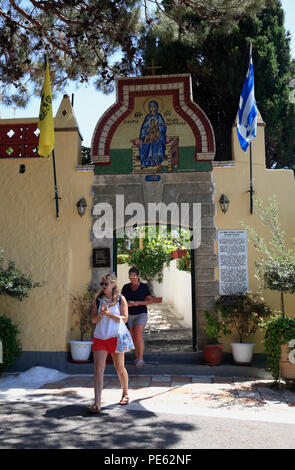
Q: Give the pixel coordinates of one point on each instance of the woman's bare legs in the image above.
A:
(118, 360)
(99, 367)
(136, 334)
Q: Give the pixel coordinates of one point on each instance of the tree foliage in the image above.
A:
(218, 63)
(13, 282)
(94, 38)
(275, 266)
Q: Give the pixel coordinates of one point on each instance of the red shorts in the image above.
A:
(104, 344)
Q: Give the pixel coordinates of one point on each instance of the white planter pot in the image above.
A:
(242, 353)
(80, 350)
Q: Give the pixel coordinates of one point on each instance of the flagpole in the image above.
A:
(251, 166)
(251, 191)
(54, 169)
(55, 185)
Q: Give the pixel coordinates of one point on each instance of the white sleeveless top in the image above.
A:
(106, 327)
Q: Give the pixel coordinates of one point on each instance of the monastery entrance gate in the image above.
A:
(152, 152)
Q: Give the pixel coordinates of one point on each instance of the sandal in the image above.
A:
(139, 363)
(93, 408)
(124, 400)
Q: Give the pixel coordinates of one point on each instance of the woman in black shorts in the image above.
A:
(138, 296)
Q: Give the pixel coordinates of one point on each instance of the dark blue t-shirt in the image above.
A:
(138, 295)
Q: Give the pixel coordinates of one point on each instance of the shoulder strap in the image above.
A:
(97, 302)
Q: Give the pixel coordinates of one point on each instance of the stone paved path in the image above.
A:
(187, 412)
(244, 398)
(164, 331)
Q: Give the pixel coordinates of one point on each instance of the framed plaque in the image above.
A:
(101, 257)
(233, 261)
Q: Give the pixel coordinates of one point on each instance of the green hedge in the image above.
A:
(11, 345)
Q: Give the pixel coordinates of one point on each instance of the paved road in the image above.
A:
(69, 426)
(194, 415)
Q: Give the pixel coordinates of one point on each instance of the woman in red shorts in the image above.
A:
(110, 313)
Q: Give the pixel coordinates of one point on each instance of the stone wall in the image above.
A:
(193, 187)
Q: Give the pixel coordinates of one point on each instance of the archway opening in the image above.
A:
(163, 256)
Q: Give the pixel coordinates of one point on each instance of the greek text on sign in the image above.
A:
(233, 261)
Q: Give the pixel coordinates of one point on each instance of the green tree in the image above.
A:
(218, 63)
(13, 282)
(275, 266)
(92, 38)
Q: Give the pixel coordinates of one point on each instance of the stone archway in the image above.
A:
(120, 182)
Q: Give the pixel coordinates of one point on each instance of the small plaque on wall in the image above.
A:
(101, 257)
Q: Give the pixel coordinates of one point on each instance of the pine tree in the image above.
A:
(218, 63)
(93, 38)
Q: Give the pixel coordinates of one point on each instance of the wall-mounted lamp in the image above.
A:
(81, 206)
(224, 203)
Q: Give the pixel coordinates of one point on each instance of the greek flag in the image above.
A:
(247, 122)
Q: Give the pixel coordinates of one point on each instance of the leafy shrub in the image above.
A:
(81, 309)
(243, 312)
(14, 283)
(11, 345)
(123, 259)
(184, 263)
(278, 331)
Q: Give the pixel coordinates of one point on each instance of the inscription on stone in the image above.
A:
(233, 261)
(101, 257)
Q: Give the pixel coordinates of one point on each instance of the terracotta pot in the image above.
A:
(212, 354)
(178, 253)
(287, 368)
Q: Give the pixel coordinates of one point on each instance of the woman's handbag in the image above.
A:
(124, 340)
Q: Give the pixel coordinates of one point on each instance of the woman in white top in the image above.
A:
(109, 313)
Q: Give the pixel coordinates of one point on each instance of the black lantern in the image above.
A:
(81, 206)
(224, 203)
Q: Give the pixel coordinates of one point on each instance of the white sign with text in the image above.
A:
(232, 261)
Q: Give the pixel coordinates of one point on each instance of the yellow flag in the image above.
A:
(46, 123)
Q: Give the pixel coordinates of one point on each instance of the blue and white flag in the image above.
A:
(247, 122)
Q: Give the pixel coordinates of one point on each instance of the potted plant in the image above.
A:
(81, 307)
(279, 343)
(215, 327)
(178, 253)
(243, 313)
(275, 269)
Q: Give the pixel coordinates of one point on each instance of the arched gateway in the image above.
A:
(152, 152)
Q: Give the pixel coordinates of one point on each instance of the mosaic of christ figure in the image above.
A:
(152, 137)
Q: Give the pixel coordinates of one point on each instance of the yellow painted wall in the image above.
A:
(58, 251)
(234, 182)
(51, 249)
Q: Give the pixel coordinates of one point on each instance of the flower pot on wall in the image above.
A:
(212, 354)
(178, 253)
(242, 353)
(287, 368)
(80, 350)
